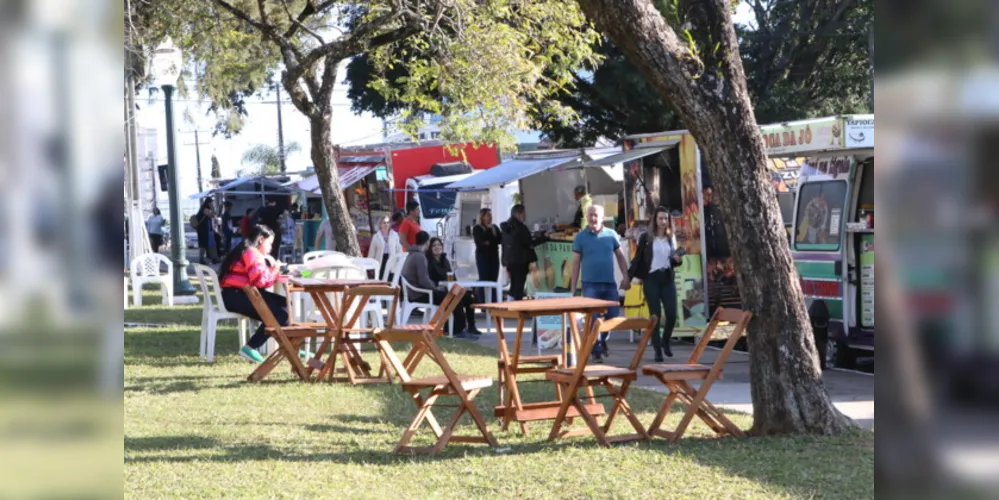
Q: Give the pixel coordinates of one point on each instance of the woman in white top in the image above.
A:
(154, 226)
(654, 264)
(384, 246)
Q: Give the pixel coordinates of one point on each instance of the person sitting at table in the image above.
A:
(439, 268)
(415, 269)
(251, 264)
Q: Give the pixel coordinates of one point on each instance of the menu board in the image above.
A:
(867, 280)
(549, 328)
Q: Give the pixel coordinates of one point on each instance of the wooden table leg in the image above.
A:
(513, 370)
(507, 373)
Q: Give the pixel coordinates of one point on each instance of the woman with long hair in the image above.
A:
(654, 263)
(384, 246)
(438, 266)
(487, 244)
(251, 264)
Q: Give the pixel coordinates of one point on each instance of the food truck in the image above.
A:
(832, 236)
(544, 181)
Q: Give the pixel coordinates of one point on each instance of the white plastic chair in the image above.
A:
(318, 253)
(146, 268)
(367, 264)
(408, 305)
(214, 311)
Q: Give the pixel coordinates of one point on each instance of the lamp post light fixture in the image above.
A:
(167, 64)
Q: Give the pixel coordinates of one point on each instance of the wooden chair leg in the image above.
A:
(421, 415)
(656, 427)
(560, 416)
(621, 402)
(266, 367)
(469, 404)
(591, 422)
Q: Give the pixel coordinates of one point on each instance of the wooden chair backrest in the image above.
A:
(358, 296)
(435, 353)
(261, 307)
(737, 317)
(647, 325)
(446, 308)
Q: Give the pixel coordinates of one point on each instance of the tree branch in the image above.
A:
(299, 23)
(265, 29)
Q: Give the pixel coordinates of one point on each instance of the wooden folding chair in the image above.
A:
(464, 387)
(677, 379)
(289, 340)
(584, 377)
(436, 326)
(347, 337)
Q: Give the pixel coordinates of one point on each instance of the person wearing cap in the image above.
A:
(585, 201)
(410, 225)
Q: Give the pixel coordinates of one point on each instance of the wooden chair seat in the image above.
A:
(677, 379)
(592, 373)
(571, 381)
(468, 382)
(667, 369)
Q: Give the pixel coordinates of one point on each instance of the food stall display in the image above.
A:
(545, 181)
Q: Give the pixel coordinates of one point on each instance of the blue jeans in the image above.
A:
(603, 291)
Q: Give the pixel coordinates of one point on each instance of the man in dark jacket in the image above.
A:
(518, 250)
(270, 216)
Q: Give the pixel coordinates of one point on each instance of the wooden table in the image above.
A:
(514, 409)
(356, 369)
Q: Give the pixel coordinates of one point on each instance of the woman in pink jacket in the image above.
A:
(251, 264)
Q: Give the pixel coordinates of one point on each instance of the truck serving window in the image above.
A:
(820, 215)
(436, 202)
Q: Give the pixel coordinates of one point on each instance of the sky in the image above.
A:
(261, 128)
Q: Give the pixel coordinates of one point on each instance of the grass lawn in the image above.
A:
(199, 430)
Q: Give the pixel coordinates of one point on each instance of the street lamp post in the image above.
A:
(167, 61)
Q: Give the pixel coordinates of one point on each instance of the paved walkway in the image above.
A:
(851, 392)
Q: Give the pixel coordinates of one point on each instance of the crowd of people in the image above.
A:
(596, 251)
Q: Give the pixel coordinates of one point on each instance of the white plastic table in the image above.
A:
(496, 295)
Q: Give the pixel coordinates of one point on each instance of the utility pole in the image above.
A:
(281, 152)
(197, 155)
(870, 59)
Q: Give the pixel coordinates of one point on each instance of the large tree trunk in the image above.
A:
(324, 162)
(787, 388)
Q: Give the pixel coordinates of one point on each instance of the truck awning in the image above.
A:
(513, 170)
(348, 176)
(641, 151)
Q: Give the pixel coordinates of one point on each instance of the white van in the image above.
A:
(436, 202)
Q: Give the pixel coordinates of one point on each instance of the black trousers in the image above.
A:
(236, 301)
(488, 266)
(660, 294)
(155, 241)
(518, 280)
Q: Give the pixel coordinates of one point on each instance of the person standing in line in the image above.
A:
(584, 201)
(154, 226)
(226, 227)
(410, 225)
(487, 239)
(246, 223)
(270, 216)
(325, 235)
(416, 271)
(654, 264)
(595, 249)
(384, 247)
(251, 264)
(518, 250)
(397, 218)
(207, 236)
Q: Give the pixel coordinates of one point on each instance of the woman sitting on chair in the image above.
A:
(251, 264)
(416, 271)
(439, 267)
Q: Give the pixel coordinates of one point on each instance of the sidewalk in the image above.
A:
(851, 392)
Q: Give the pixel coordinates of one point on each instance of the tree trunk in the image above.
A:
(324, 162)
(788, 393)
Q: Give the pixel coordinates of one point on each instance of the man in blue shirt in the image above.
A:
(596, 248)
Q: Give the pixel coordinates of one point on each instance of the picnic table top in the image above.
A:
(547, 306)
(334, 285)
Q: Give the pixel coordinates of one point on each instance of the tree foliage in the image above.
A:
(267, 159)
(479, 64)
(802, 59)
